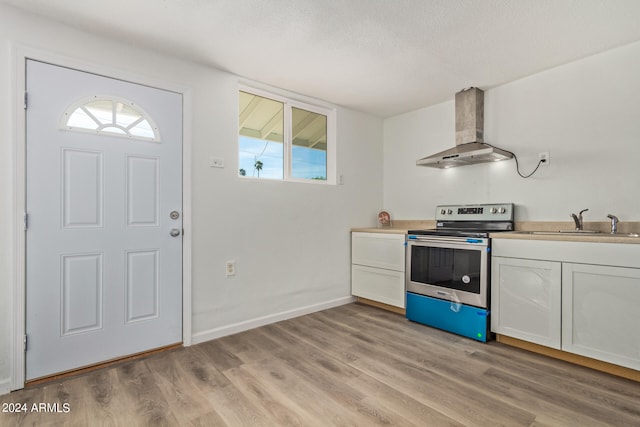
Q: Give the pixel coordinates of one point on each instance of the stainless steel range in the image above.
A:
(447, 274)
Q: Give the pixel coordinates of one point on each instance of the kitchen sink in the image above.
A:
(620, 235)
(578, 232)
(570, 232)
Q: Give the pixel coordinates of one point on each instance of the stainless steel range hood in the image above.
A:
(470, 148)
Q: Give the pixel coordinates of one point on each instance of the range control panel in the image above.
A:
(488, 212)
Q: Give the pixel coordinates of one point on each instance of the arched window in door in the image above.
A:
(110, 115)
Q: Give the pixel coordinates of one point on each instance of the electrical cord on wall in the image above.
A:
(541, 161)
(534, 171)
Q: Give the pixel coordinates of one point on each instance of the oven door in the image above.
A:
(450, 268)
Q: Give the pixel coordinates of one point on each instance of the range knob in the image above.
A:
(502, 210)
(442, 211)
(449, 211)
(493, 210)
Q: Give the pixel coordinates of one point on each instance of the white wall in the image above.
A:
(290, 241)
(586, 114)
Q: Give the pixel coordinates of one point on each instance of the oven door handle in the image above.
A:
(461, 241)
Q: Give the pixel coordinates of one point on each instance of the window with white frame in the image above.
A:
(283, 139)
(104, 114)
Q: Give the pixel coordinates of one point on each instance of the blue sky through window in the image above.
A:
(270, 153)
(307, 163)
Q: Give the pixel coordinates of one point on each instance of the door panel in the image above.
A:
(142, 285)
(142, 191)
(82, 188)
(81, 293)
(104, 276)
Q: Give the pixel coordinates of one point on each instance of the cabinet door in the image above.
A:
(378, 284)
(601, 313)
(526, 300)
(378, 250)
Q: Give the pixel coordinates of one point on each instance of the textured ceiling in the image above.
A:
(383, 57)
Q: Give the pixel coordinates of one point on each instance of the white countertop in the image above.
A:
(568, 237)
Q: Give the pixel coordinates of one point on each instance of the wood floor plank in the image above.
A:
(210, 419)
(548, 410)
(179, 389)
(307, 331)
(109, 391)
(89, 399)
(150, 406)
(331, 375)
(261, 346)
(469, 376)
(579, 382)
(335, 374)
(265, 393)
(219, 356)
(328, 413)
(452, 398)
(229, 406)
(197, 365)
(18, 410)
(352, 365)
(619, 415)
(235, 409)
(322, 370)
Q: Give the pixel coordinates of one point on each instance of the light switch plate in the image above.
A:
(216, 162)
(231, 268)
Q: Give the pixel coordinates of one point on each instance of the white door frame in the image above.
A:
(17, 297)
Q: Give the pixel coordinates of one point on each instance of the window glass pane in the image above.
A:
(101, 110)
(261, 159)
(111, 129)
(261, 137)
(110, 116)
(309, 151)
(125, 115)
(142, 129)
(80, 119)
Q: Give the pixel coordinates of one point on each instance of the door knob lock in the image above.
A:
(175, 232)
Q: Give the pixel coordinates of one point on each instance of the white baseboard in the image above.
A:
(234, 328)
(5, 386)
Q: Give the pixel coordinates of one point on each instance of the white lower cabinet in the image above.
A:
(377, 284)
(557, 294)
(525, 300)
(601, 313)
(377, 267)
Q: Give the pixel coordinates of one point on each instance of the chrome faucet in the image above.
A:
(614, 223)
(578, 219)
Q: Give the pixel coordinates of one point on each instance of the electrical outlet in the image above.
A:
(231, 268)
(544, 158)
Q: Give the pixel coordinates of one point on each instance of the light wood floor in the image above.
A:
(349, 366)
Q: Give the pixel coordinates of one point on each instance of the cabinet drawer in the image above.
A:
(378, 250)
(377, 284)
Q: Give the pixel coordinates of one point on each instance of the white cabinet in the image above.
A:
(601, 313)
(525, 300)
(377, 267)
(582, 298)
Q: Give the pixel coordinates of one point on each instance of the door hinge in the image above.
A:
(26, 100)
(26, 221)
(26, 340)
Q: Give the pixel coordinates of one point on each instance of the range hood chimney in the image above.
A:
(470, 148)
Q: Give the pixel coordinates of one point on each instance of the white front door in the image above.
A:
(104, 252)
